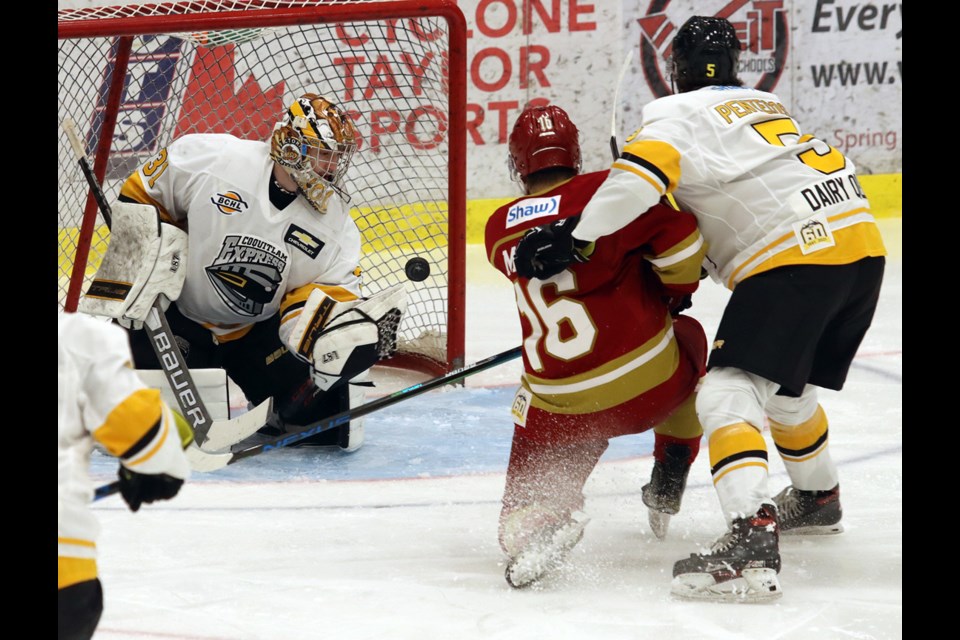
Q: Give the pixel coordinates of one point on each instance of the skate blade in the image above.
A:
(814, 530)
(659, 523)
(523, 572)
(755, 586)
(534, 563)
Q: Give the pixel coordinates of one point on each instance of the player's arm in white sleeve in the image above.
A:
(131, 420)
(646, 171)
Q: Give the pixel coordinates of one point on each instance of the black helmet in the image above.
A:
(705, 52)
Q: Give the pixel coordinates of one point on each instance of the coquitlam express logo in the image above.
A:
(761, 27)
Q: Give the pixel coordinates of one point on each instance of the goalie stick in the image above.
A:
(215, 435)
(222, 460)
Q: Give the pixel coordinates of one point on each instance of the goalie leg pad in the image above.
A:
(210, 383)
(145, 260)
(349, 436)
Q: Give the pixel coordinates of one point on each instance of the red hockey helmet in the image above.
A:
(543, 137)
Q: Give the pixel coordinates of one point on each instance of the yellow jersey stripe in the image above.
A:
(130, 421)
(133, 188)
(71, 571)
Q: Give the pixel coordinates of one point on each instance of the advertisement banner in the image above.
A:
(836, 65)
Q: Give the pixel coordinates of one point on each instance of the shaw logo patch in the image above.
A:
(303, 240)
(230, 203)
(762, 28)
(531, 209)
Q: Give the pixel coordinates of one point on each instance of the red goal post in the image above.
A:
(134, 77)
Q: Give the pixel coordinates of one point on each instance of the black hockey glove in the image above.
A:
(138, 488)
(546, 251)
(678, 304)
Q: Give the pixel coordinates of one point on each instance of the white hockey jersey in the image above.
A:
(100, 398)
(245, 254)
(764, 193)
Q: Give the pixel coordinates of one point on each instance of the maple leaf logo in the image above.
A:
(211, 106)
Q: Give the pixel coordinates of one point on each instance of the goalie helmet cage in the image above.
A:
(134, 77)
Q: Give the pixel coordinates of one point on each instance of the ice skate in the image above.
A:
(663, 493)
(741, 566)
(545, 552)
(809, 512)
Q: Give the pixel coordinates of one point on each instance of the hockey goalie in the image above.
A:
(270, 290)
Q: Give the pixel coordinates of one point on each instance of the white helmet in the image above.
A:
(315, 142)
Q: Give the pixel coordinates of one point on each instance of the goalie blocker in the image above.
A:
(146, 262)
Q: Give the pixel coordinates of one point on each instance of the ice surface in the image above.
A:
(398, 540)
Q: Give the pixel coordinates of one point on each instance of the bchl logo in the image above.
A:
(229, 203)
(531, 209)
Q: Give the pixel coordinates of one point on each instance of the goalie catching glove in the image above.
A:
(341, 340)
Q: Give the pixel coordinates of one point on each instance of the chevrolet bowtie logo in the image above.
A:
(305, 238)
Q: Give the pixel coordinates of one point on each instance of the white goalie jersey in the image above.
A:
(765, 194)
(245, 254)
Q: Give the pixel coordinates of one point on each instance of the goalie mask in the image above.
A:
(543, 138)
(315, 143)
(706, 51)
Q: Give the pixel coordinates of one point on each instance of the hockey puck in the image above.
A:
(417, 269)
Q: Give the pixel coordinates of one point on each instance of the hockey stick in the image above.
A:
(614, 145)
(165, 346)
(336, 420)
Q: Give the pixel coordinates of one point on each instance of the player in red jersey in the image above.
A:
(605, 350)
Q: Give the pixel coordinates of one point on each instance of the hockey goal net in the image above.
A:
(134, 77)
